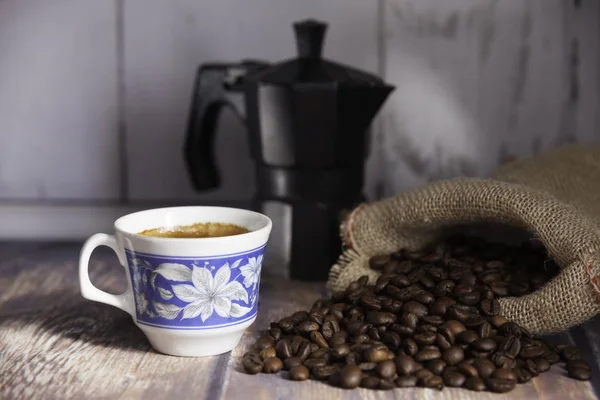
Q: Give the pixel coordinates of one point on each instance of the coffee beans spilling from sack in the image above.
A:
(432, 319)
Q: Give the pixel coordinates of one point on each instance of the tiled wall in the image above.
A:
(94, 94)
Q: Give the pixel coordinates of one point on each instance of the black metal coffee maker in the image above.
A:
(308, 121)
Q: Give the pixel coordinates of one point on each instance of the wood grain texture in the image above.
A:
(55, 344)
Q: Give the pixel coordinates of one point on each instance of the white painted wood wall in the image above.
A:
(94, 94)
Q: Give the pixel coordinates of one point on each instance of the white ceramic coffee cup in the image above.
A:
(191, 296)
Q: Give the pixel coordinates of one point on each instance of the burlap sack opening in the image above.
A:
(545, 196)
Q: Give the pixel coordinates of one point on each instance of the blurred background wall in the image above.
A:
(94, 95)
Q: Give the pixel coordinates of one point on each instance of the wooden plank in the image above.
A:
(188, 33)
(57, 102)
(53, 343)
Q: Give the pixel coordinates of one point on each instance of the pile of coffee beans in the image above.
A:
(432, 319)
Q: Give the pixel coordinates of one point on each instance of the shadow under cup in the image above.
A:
(192, 296)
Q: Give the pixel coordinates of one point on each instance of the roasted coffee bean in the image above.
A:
(299, 373)
(283, 348)
(405, 365)
(380, 318)
(386, 369)
(510, 329)
(577, 363)
(467, 337)
(531, 352)
(467, 369)
(329, 328)
(264, 342)
(570, 353)
(426, 329)
(252, 364)
(499, 288)
(374, 334)
(340, 351)
(300, 316)
(433, 382)
(490, 307)
(498, 320)
(470, 299)
(370, 382)
(542, 364)
(552, 357)
(486, 344)
(376, 355)
(356, 327)
(410, 347)
(391, 339)
(314, 362)
(400, 281)
(474, 321)
(441, 342)
(350, 376)
(511, 346)
(367, 366)
(444, 288)
(441, 305)
(386, 384)
(352, 358)
(424, 339)
(523, 375)
(272, 365)
(505, 373)
(475, 383)
(318, 339)
(454, 379)
(275, 333)
(427, 355)
(406, 381)
(501, 360)
(370, 302)
(296, 342)
(484, 330)
(580, 373)
(291, 362)
(286, 324)
(323, 372)
(402, 330)
(531, 366)
(424, 297)
(433, 320)
(378, 262)
(416, 308)
(304, 350)
(436, 366)
(359, 339)
(459, 312)
(453, 355)
(485, 368)
(409, 319)
(501, 385)
(268, 353)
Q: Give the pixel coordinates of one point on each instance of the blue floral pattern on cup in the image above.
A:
(195, 292)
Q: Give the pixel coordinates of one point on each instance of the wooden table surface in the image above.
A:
(55, 344)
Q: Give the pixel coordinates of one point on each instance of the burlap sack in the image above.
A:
(555, 197)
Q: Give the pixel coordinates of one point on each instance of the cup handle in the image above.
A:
(124, 301)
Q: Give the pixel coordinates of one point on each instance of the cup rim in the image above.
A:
(145, 238)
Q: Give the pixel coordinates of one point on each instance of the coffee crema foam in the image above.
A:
(198, 230)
